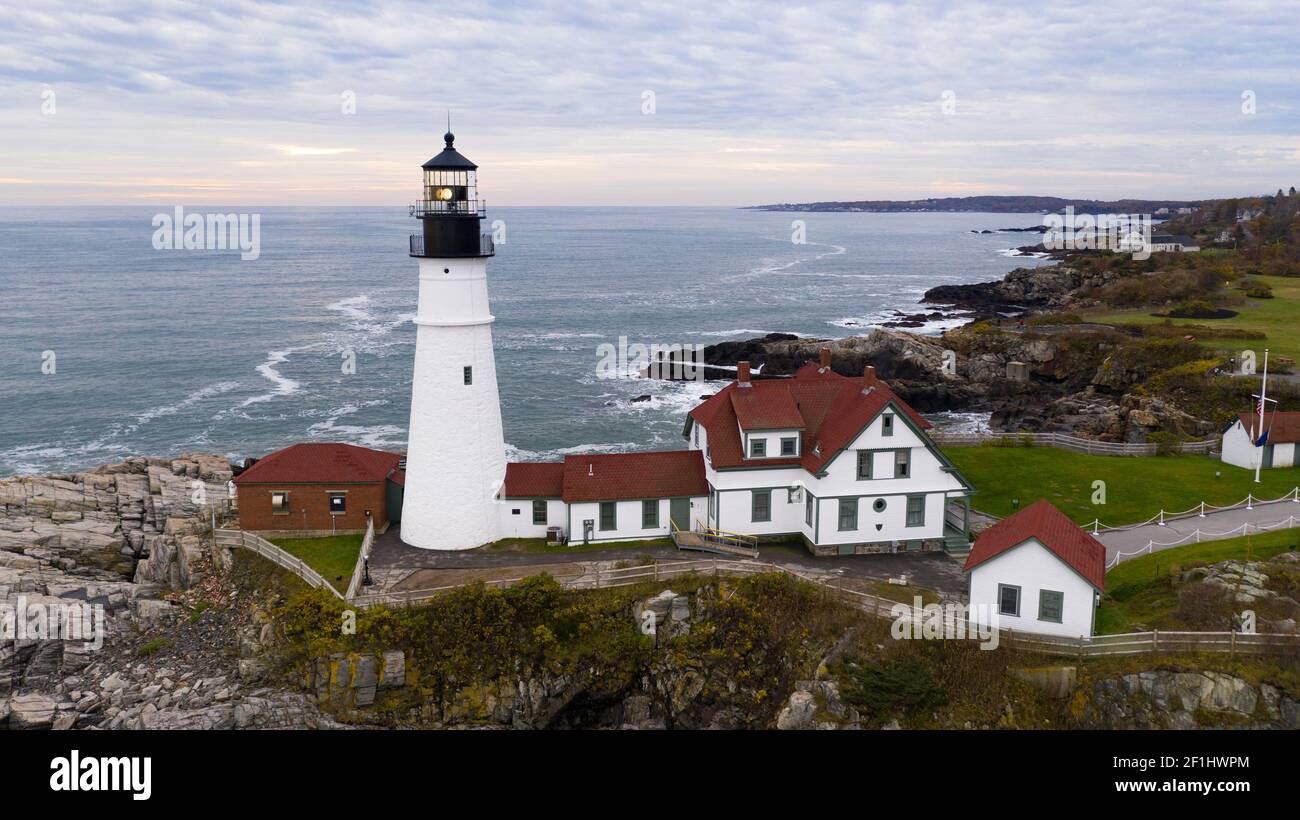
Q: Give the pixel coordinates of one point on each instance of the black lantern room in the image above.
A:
(449, 208)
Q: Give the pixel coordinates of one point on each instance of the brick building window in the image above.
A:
(338, 503)
(280, 503)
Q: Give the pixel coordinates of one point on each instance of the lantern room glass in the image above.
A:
(450, 191)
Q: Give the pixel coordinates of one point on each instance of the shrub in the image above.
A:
(1166, 442)
(903, 684)
(1205, 607)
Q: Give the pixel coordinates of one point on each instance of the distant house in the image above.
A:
(1278, 449)
(1039, 572)
(1170, 243)
(321, 488)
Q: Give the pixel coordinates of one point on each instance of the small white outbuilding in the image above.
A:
(1037, 571)
(1277, 449)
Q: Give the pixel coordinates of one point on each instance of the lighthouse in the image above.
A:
(455, 458)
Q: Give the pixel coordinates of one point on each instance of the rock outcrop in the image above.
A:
(1166, 699)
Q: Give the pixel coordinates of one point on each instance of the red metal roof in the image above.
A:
(1051, 527)
(1283, 426)
(534, 480)
(321, 463)
(620, 476)
(832, 410)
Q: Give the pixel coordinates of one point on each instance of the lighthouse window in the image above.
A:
(469, 375)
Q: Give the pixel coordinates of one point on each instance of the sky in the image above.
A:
(653, 103)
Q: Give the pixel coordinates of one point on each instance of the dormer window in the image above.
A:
(789, 446)
(758, 448)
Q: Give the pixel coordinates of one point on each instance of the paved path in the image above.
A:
(932, 570)
(1212, 527)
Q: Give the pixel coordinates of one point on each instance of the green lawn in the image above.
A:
(1140, 594)
(334, 556)
(1276, 317)
(1137, 488)
(539, 545)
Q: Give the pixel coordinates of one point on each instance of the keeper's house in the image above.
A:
(842, 464)
(321, 488)
(1277, 449)
(1037, 571)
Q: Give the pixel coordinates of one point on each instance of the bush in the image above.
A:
(1166, 442)
(1194, 309)
(903, 684)
(1205, 607)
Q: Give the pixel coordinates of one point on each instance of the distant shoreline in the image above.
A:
(986, 204)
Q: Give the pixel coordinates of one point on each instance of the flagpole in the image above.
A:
(1263, 400)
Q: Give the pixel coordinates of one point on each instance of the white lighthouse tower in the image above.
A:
(455, 459)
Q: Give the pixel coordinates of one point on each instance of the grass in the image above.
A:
(1140, 594)
(333, 556)
(1276, 318)
(1137, 488)
(539, 546)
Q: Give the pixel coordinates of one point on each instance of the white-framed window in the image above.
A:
(338, 503)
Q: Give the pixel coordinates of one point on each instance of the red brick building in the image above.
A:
(321, 488)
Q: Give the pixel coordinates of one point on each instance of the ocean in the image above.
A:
(111, 348)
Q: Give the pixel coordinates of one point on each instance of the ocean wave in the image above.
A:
(770, 266)
(197, 396)
(514, 453)
(284, 386)
(877, 321)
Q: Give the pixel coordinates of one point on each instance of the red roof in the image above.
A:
(610, 477)
(325, 463)
(766, 405)
(1054, 530)
(618, 476)
(534, 480)
(831, 410)
(1282, 427)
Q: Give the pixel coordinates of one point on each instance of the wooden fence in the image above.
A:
(1096, 646)
(358, 572)
(1064, 441)
(247, 540)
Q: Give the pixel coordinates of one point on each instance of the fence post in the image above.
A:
(1232, 644)
(1202, 509)
(1155, 641)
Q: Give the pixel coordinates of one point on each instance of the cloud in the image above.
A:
(839, 99)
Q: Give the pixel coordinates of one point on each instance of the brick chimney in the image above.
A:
(826, 358)
(742, 374)
(869, 379)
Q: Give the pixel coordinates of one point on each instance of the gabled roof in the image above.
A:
(321, 463)
(1283, 426)
(1054, 530)
(620, 476)
(832, 409)
(534, 480)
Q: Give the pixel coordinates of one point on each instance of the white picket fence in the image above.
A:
(1065, 441)
(246, 540)
(358, 572)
